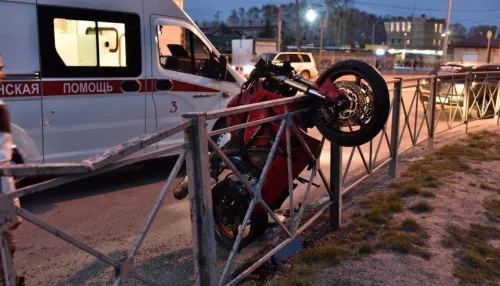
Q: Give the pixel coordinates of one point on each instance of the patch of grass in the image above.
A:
(366, 249)
(486, 187)
(432, 184)
(421, 207)
(322, 254)
(428, 194)
(408, 190)
(398, 241)
(492, 209)
(376, 216)
(410, 225)
(303, 269)
(473, 184)
(477, 261)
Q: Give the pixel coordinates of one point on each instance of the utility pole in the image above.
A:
(298, 24)
(373, 34)
(280, 24)
(447, 31)
(488, 50)
(321, 28)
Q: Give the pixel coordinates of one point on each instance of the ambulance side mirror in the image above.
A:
(222, 68)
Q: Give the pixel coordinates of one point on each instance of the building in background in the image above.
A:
(475, 49)
(416, 35)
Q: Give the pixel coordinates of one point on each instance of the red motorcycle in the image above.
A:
(348, 104)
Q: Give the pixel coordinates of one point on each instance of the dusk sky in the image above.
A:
(467, 12)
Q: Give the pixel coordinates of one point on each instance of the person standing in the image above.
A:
(7, 183)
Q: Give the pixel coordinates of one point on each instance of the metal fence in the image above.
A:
(420, 109)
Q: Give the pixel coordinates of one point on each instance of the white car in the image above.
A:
(303, 63)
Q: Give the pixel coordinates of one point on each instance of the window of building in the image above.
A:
(408, 26)
(439, 42)
(435, 27)
(434, 42)
(440, 28)
(407, 41)
(88, 43)
(397, 27)
(399, 41)
(403, 26)
(392, 41)
(392, 26)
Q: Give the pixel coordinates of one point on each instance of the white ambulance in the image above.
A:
(85, 75)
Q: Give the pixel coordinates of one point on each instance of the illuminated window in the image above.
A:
(403, 27)
(408, 26)
(408, 41)
(440, 28)
(434, 42)
(397, 27)
(435, 27)
(75, 42)
(392, 27)
(439, 42)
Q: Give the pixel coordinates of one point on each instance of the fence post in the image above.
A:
(432, 105)
(497, 104)
(465, 107)
(205, 263)
(335, 184)
(396, 106)
(7, 206)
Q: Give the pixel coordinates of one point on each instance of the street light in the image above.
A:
(311, 15)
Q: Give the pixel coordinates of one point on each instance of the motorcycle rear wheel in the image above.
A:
(223, 235)
(379, 107)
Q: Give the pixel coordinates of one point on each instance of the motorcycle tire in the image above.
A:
(258, 222)
(381, 104)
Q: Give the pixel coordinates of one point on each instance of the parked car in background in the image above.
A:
(303, 63)
(451, 86)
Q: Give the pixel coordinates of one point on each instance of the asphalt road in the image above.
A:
(108, 211)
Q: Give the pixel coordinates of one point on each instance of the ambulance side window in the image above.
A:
(89, 43)
(181, 50)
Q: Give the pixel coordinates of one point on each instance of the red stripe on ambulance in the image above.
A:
(81, 87)
(16, 89)
(87, 87)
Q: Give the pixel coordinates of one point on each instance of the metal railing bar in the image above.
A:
(259, 262)
(237, 242)
(270, 158)
(353, 185)
(377, 151)
(161, 196)
(7, 261)
(323, 178)
(249, 107)
(407, 121)
(66, 237)
(348, 166)
(136, 144)
(303, 142)
(306, 193)
(118, 281)
(68, 179)
(314, 217)
(370, 163)
(32, 170)
(273, 215)
(231, 166)
(256, 122)
(362, 155)
(290, 173)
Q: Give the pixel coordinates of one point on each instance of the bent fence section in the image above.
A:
(420, 109)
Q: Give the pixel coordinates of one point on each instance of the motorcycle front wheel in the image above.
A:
(364, 108)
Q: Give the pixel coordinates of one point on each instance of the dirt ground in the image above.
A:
(437, 223)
